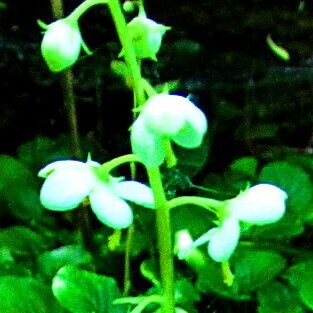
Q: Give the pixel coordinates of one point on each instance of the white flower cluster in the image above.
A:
(166, 117)
(68, 183)
(260, 205)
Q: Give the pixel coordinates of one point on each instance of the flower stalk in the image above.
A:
(164, 239)
(129, 52)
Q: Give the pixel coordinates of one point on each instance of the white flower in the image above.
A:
(260, 205)
(60, 46)
(146, 36)
(166, 116)
(68, 183)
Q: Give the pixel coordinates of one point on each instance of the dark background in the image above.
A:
(255, 101)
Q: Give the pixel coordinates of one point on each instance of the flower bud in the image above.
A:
(146, 36)
(128, 6)
(60, 46)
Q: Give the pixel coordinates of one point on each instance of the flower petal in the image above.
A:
(109, 209)
(135, 192)
(165, 114)
(47, 170)
(66, 188)
(224, 240)
(149, 147)
(65, 164)
(260, 205)
(192, 133)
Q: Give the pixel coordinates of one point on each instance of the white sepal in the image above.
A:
(224, 240)
(110, 209)
(259, 205)
(165, 114)
(135, 192)
(148, 146)
(65, 189)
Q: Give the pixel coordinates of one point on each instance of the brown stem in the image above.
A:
(67, 86)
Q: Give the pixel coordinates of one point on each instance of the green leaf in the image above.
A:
(210, 279)
(26, 295)
(19, 189)
(296, 182)
(287, 227)
(81, 291)
(298, 273)
(41, 150)
(252, 269)
(306, 162)
(197, 220)
(255, 268)
(277, 297)
(51, 261)
(22, 241)
(185, 292)
(300, 276)
(191, 161)
(247, 166)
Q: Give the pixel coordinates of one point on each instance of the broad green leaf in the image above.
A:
(51, 261)
(22, 241)
(305, 162)
(185, 292)
(41, 150)
(19, 189)
(26, 295)
(297, 184)
(210, 279)
(287, 227)
(80, 291)
(300, 275)
(191, 161)
(197, 220)
(252, 269)
(306, 292)
(246, 166)
(255, 268)
(277, 297)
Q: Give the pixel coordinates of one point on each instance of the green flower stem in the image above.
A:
(129, 52)
(127, 158)
(206, 203)
(164, 239)
(83, 7)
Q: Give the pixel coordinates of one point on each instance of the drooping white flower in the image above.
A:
(166, 117)
(61, 44)
(68, 183)
(146, 36)
(260, 205)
